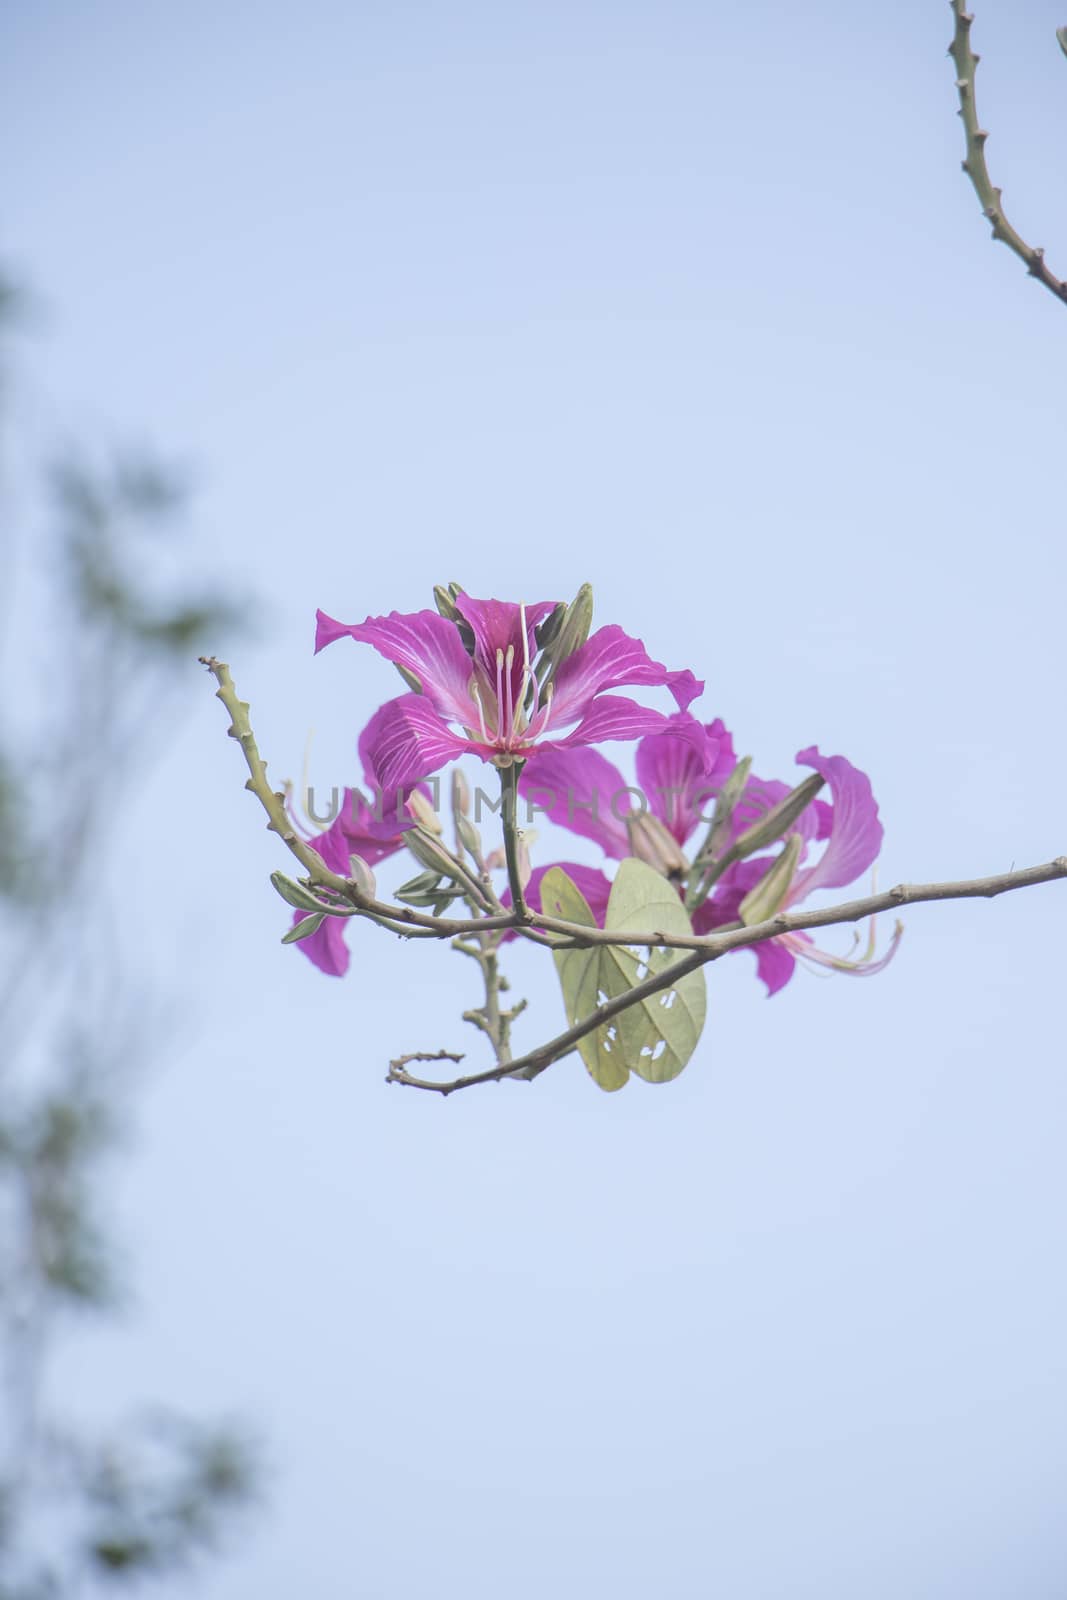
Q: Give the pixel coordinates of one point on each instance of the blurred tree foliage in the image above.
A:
(82, 558)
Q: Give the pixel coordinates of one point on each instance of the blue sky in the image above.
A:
(694, 302)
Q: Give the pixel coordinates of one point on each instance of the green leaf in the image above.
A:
(304, 930)
(656, 1036)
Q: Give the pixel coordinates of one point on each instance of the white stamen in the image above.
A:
(507, 719)
(476, 697)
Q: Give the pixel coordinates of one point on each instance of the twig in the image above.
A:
(423, 1055)
(712, 946)
(975, 163)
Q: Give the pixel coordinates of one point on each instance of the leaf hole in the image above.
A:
(667, 1000)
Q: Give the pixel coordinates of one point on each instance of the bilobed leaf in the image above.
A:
(655, 1037)
(658, 1035)
(586, 977)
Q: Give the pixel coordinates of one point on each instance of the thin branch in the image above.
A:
(425, 1055)
(826, 917)
(712, 946)
(975, 163)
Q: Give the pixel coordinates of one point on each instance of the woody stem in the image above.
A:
(509, 794)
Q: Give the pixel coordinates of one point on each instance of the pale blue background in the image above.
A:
(691, 299)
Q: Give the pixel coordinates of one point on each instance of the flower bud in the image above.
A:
(294, 894)
(778, 820)
(725, 804)
(461, 794)
(361, 875)
(652, 842)
(765, 899)
(568, 636)
(429, 851)
(445, 601)
(423, 812)
(469, 837)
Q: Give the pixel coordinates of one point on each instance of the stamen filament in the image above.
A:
(477, 698)
(507, 720)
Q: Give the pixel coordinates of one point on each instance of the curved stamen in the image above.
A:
(475, 695)
(499, 693)
(520, 704)
(540, 719)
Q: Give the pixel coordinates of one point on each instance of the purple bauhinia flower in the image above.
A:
(482, 687)
(849, 824)
(679, 773)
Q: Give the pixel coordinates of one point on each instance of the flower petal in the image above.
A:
(582, 791)
(610, 659)
(856, 833)
(681, 768)
(496, 624)
(775, 964)
(611, 716)
(410, 741)
(427, 645)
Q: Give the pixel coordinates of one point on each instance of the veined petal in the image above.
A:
(427, 645)
(582, 791)
(610, 716)
(374, 828)
(775, 964)
(411, 740)
(856, 833)
(386, 815)
(610, 659)
(679, 769)
(496, 624)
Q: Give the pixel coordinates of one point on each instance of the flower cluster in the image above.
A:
(530, 689)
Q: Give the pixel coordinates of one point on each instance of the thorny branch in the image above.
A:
(487, 931)
(974, 164)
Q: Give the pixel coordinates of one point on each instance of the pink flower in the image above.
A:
(492, 695)
(853, 834)
(679, 770)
